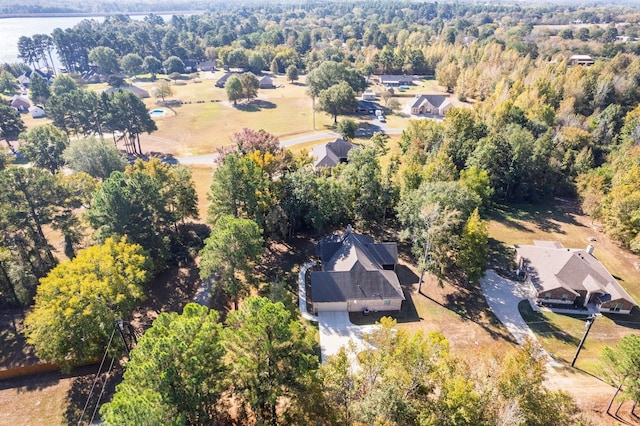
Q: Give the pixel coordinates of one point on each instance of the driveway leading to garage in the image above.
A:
(503, 297)
(336, 331)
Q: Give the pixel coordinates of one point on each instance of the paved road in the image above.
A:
(209, 159)
(503, 296)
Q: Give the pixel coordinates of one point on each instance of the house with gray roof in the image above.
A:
(429, 105)
(571, 277)
(396, 80)
(331, 154)
(357, 274)
(141, 93)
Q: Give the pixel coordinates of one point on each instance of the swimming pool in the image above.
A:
(157, 112)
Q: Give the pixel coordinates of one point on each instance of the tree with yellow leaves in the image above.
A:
(78, 303)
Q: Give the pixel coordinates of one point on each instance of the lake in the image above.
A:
(11, 29)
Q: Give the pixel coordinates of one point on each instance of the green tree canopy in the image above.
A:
(292, 73)
(234, 89)
(175, 374)
(131, 64)
(339, 99)
(330, 73)
(250, 85)
(93, 156)
(44, 145)
(105, 58)
(347, 128)
(63, 83)
(271, 357)
(78, 303)
(39, 90)
(173, 64)
(11, 124)
(230, 253)
(133, 204)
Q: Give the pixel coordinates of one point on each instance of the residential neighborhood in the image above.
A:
(349, 213)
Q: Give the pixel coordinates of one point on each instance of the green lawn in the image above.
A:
(559, 221)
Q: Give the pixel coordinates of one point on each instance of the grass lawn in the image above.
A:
(199, 125)
(558, 333)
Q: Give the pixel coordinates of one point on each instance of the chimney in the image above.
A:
(590, 249)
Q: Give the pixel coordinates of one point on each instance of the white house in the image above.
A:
(37, 111)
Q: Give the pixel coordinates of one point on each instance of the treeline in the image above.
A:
(260, 367)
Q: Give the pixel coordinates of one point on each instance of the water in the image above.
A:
(11, 29)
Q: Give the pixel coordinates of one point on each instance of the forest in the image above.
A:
(539, 128)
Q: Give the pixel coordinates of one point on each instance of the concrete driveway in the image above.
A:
(337, 331)
(503, 296)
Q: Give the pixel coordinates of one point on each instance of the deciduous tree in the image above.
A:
(78, 303)
(234, 89)
(44, 145)
(93, 156)
(339, 99)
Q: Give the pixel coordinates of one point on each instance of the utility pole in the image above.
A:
(588, 325)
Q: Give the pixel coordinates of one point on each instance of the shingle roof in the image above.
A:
(438, 101)
(352, 269)
(551, 267)
(332, 153)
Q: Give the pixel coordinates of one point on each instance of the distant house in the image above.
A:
(357, 275)
(37, 111)
(572, 277)
(206, 65)
(333, 153)
(223, 80)
(429, 104)
(396, 80)
(190, 65)
(368, 107)
(266, 82)
(25, 79)
(581, 60)
(20, 103)
(141, 93)
(368, 95)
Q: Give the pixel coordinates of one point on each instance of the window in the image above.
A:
(547, 295)
(387, 302)
(564, 297)
(615, 308)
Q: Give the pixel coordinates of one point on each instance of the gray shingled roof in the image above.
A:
(352, 269)
(332, 153)
(434, 100)
(552, 266)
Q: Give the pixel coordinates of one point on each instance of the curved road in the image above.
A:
(209, 159)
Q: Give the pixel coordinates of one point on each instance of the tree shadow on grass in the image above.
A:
(501, 259)
(81, 398)
(542, 327)
(255, 105)
(546, 216)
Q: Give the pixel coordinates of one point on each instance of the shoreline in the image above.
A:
(97, 14)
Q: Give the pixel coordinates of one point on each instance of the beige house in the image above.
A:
(436, 105)
(581, 60)
(571, 277)
(357, 275)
